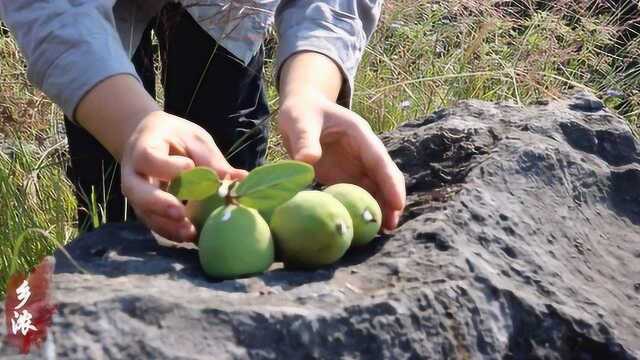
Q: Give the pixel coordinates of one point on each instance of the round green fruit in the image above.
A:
(235, 241)
(312, 229)
(199, 211)
(266, 213)
(363, 208)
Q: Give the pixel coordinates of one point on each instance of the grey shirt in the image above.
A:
(72, 45)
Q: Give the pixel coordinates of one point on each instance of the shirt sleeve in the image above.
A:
(69, 46)
(339, 29)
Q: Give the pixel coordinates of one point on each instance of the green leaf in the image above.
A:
(195, 184)
(268, 186)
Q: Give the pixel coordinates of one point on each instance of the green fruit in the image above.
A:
(363, 208)
(199, 211)
(266, 213)
(235, 241)
(312, 229)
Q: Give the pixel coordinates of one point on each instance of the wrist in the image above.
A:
(309, 74)
(304, 97)
(113, 109)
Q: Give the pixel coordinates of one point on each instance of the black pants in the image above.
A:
(203, 83)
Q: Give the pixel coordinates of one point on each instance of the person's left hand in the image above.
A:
(343, 149)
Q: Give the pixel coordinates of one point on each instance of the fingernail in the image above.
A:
(175, 213)
(187, 232)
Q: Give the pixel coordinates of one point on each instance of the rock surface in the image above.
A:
(521, 239)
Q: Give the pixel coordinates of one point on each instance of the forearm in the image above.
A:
(310, 73)
(113, 109)
(338, 29)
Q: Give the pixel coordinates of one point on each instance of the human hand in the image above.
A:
(342, 148)
(161, 147)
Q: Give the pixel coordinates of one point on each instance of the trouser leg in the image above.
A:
(206, 84)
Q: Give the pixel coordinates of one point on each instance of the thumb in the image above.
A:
(236, 174)
(222, 167)
(304, 143)
(206, 153)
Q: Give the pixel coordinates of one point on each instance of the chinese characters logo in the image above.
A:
(28, 306)
(22, 320)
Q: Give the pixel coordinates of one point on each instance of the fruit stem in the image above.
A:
(230, 199)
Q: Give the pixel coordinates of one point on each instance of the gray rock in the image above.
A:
(521, 240)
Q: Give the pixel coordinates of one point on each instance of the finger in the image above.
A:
(147, 198)
(388, 178)
(233, 173)
(390, 216)
(204, 152)
(393, 199)
(179, 231)
(370, 185)
(378, 165)
(391, 219)
(303, 139)
(155, 162)
(391, 213)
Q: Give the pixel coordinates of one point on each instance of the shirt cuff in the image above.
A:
(81, 67)
(327, 31)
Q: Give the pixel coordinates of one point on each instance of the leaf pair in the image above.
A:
(266, 187)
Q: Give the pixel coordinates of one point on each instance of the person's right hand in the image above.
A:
(151, 147)
(161, 147)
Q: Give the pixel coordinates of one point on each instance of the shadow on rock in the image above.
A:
(290, 277)
(117, 250)
(625, 193)
(124, 249)
(121, 250)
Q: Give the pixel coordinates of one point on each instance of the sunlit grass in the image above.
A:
(427, 56)
(36, 206)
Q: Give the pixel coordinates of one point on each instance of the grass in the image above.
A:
(428, 55)
(425, 55)
(37, 206)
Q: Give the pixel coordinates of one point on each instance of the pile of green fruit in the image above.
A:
(242, 224)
